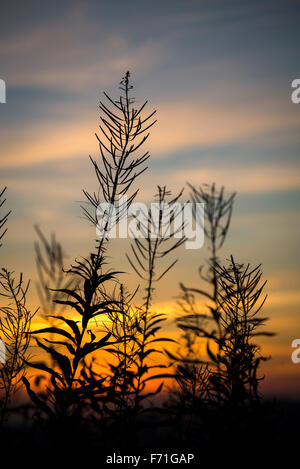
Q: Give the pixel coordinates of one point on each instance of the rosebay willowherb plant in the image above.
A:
(123, 131)
(192, 374)
(124, 327)
(65, 397)
(52, 277)
(134, 328)
(115, 409)
(148, 253)
(192, 392)
(218, 213)
(218, 369)
(15, 323)
(70, 388)
(240, 301)
(244, 293)
(50, 262)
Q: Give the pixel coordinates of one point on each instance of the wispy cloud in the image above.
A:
(244, 179)
(181, 126)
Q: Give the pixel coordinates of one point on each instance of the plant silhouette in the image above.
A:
(218, 369)
(135, 327)
(100, 363)
(15, 324)
(66, 397)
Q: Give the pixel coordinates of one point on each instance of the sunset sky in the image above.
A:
(219, 74)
